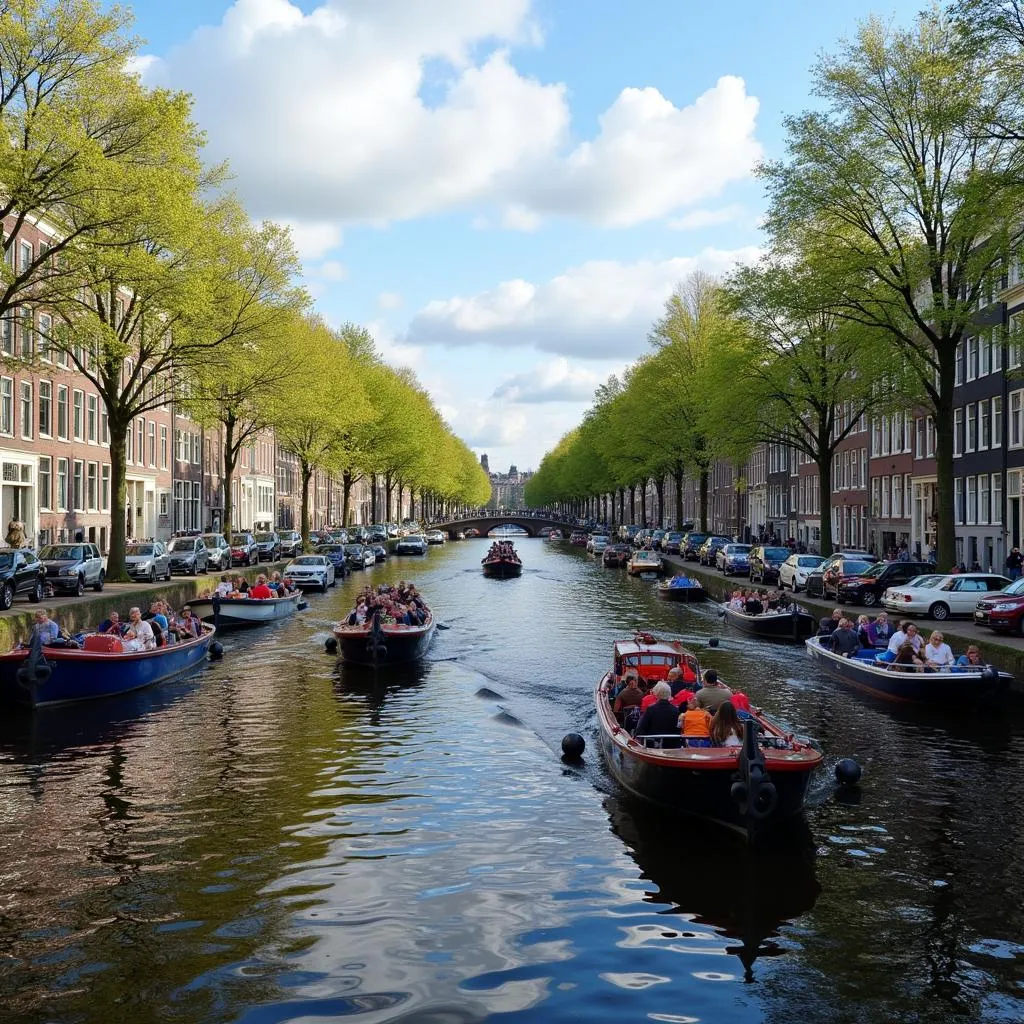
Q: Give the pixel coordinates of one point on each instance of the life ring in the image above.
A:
(29, 677)
(765, 800)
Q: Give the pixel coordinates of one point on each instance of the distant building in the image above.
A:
(506, 488)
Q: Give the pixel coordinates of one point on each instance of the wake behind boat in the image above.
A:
(502, 562)
(747, 788)
(389, 626)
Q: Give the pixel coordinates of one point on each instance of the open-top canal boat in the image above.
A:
(793, 623)
(245, 611)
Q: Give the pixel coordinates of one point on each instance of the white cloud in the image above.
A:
(393, 351)
(706, 218)
(551, 381)
(331, 270)
(598, 310)
(389, 300)
(371, 112)
(488, 426)
(313, 239)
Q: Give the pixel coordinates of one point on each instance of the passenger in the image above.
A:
(224, 588)
(712, 693)
(44, 627)
(242, 586)
(970, 659)
(937, 654)
(261, 592)
(753, 605)
(737, 601)
(189, 625)
(864, 632)
(844, 640)
(880, 630)
(139, 636)
(112, 625)
(726, 728)
(675, 679)
(661, 718)
(695, 723)
(629, 696)
(906, 659)
(906, 632)
(156, 614)
(828, 624)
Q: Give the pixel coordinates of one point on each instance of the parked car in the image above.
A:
(671, 541)
(187, 555)
(412, 544)
(598, 542)
(616, 555)
(147, 561)
(308, 571)
(243, 549)
(268, 547)
(376, 534)
(733, 559)
(359, 556)
(578, 539)
(656, 538)
(218, 551)
(690, 545)
(436, 536)
(70, 568)
(291, 542)
(709, 549)
(941, 595)
(765, 562)
(380, 552)
(21, 572)
(867, 587)
(816, 577)
(628, 534)
(337, 555)
(846, 566)
(1003, 612)
(794, 571)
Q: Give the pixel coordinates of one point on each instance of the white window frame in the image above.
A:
(958, 431)
(78, 414)
(970, 427)
(48, 476)
(7, 406)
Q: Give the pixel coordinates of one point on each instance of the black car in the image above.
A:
(20, 573)
(690, 545)
(816, 579)
(868, 587)
(765, 561)
(707, 553)
(380, 551)
(336, 555)
(291, 543)
(243, 549)
(268, 547)
(70, 568)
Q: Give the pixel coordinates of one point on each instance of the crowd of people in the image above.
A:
(503, 549)
(265, 587)
(398, 604)
(901, 648)
(758, 602)
(702, 712)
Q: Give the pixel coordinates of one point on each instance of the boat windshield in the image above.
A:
(61, 553)
(139, 550)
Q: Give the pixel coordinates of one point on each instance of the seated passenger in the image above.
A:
(261, 592)
(712, 693)
(907, 633)
(112, 625)
(661, 718)
(844, 640)
(828, 624)
(139, 636)
(753, 605)
(906, 660)
(937, 654)
(880, 630)
(44, 627)
(726, 728)
(629, 696)
(695, 723)
(223, 588)
(970, 660)
(863, 632)
(189, 625)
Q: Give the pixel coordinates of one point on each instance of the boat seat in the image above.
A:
(663, 741)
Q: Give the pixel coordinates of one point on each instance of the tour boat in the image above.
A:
(100, 668)
(555, 535)
(792, 623)
(644, 561)
(378, 644)
(683, 588)
(244, 611)
(502, 566)
(986, 686)
(747, 789)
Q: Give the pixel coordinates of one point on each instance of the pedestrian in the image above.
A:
(1014, 562)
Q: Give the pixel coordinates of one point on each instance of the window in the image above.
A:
(151, 443)
(6, 405)
(1016, 423)
(104, 426)
(45, 407)
(876, 501)
(163, 447)
(972, 500)
(958, 499)
(28, 335)
(45, 326)
(77, 486)
(997, 354)
(77, 414)
(885, 497)
(129, 444)
(997, 498)
(897, 497)
(959, 379)
(930, 435)
(984, 512)
(7, 334)
(25, 411)
(140, 441)
(972, 358)
(24, 256)
(62, 411)
(62, 485)
(984, 425)
(984, 353)
(971, 420)
(196, 449)
(105, 488)
(45, 482)
(958, 432)
(997, 423)
(91, 405)
(90, 487)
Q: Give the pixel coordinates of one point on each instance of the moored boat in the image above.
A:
(793, 623)
(747, 789)
(986, 686)
(100, 668)
(681, 588)
(644, 561)
(245, 611)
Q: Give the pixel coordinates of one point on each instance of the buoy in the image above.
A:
(848, 772)
(573, 746)
(713, 642)
(216, 650)
(331, 645)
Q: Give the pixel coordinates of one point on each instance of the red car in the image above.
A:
(1003, 611)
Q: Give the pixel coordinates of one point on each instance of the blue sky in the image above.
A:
(505, 191)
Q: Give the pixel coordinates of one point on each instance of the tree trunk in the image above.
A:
(825, 502)
(632, 504)
(678, 477)
(659, 490)
(389, 487)
(945, 533)
(401, 487)
(643, 502)
(373, 497)
(230, 464)
(307, 474)
(704, 500)
(115, 571)
(346, 493)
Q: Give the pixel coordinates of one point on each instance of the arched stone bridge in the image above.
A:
(531, 524)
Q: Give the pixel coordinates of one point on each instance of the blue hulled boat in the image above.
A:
(986, 686)
(62, 675)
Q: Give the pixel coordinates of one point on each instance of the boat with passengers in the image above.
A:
(390, 625)
(747, 789)
(502, 562)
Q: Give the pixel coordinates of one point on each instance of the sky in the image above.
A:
(504, 191)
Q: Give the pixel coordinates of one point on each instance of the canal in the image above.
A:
(271, 841)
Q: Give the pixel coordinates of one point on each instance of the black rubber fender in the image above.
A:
(765, 800)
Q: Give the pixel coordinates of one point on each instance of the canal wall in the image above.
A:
(86, 612)
(1006, 653)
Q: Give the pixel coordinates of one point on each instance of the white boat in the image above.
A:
(244, 611)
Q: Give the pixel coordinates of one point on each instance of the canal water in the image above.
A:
(271, 841)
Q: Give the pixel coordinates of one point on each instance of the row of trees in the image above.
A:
(159, 289)
(892, 221)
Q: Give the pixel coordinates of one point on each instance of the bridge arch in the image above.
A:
(532, 525)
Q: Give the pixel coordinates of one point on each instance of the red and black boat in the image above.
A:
(502, 562)
(379, 644)
(747, 789)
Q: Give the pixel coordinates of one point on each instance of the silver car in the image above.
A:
(311, 571)
(147, 561)
(413, 544)
(218, 554)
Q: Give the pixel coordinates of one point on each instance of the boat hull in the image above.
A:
(501, 569)
(682, 594)
(781, 626)
(399, 645)
(244, 611)
(943, 688)
(79, 675)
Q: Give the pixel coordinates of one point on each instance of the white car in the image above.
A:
(311, 571)
(597, 543)
(794, 570)
(413, 544)
(942, 595)
(436, 537)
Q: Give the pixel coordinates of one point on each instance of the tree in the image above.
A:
(891, 189)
